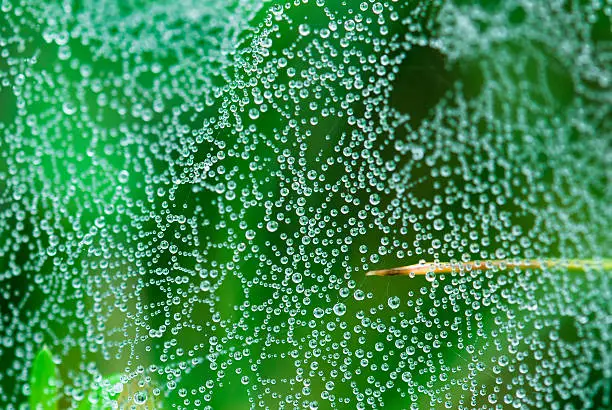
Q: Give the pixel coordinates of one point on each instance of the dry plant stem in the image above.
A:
(448, 267)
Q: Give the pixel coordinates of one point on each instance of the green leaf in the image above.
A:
(43, 389)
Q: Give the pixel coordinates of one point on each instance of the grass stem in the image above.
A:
(423, 268)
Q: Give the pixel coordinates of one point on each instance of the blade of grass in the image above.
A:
(43, 388)
(424, 268)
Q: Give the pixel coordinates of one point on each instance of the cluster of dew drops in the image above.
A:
(191, 193)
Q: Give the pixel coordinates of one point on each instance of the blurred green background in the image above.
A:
(193, 192)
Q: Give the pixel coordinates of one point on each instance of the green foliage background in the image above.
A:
(62, 283)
